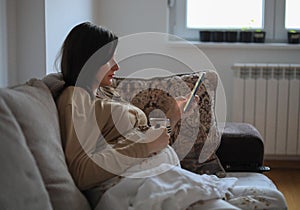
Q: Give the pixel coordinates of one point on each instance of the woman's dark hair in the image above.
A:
(85, 41)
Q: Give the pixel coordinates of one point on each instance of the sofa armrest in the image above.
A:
(241, 148)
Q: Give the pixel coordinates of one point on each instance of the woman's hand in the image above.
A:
(193, 105)
(175, 113)
(157, 139)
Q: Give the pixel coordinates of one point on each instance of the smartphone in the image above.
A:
(194, 91)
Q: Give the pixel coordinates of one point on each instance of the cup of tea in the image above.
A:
(158, 122)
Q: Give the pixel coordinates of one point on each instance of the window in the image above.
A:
(292, 15)
(244, 14)
(187, 17)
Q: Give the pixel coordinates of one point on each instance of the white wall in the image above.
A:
(30, 39)
(23, 31)
(61, 17)
(3, 45)
(33, 32)
(126, 17)
(11, 36)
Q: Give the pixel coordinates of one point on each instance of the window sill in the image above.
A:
(235, 45)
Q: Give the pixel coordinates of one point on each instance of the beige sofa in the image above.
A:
(34, 173)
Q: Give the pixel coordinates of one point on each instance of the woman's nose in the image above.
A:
(115, 67)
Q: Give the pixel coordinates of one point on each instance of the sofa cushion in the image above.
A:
(55, 83)
(190, 135)
(20, 180)
(35, 112)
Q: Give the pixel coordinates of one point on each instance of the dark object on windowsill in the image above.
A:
(293, 37)
(217, 36)
(231, 36)
(246, 36)
(259, 36)
(205, 36)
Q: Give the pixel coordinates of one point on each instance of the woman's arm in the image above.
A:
(91, 163)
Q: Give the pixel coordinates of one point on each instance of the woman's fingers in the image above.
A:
(193, 106)
(154, 133)
(158, 139)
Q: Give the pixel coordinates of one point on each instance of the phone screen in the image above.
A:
(194, 91)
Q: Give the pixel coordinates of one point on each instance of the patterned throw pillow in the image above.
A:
(194, 135)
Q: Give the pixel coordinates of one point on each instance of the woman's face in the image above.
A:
(107, 72)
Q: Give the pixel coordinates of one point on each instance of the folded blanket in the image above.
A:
(257, 197)
(173, 189)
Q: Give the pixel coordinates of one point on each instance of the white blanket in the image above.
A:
(174, 189)
(160, 183)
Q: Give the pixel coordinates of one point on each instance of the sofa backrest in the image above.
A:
(36, 175)
(21, 183)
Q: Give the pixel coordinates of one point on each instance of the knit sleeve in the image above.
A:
(101, 140)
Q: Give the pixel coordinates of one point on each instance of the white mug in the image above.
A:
(158, 122)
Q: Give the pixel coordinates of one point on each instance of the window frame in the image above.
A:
(274, 21)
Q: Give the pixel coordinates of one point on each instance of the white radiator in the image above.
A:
(268, 97)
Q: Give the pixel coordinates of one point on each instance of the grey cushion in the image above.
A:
(35, 111)
(20, 180)
(55, 83)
